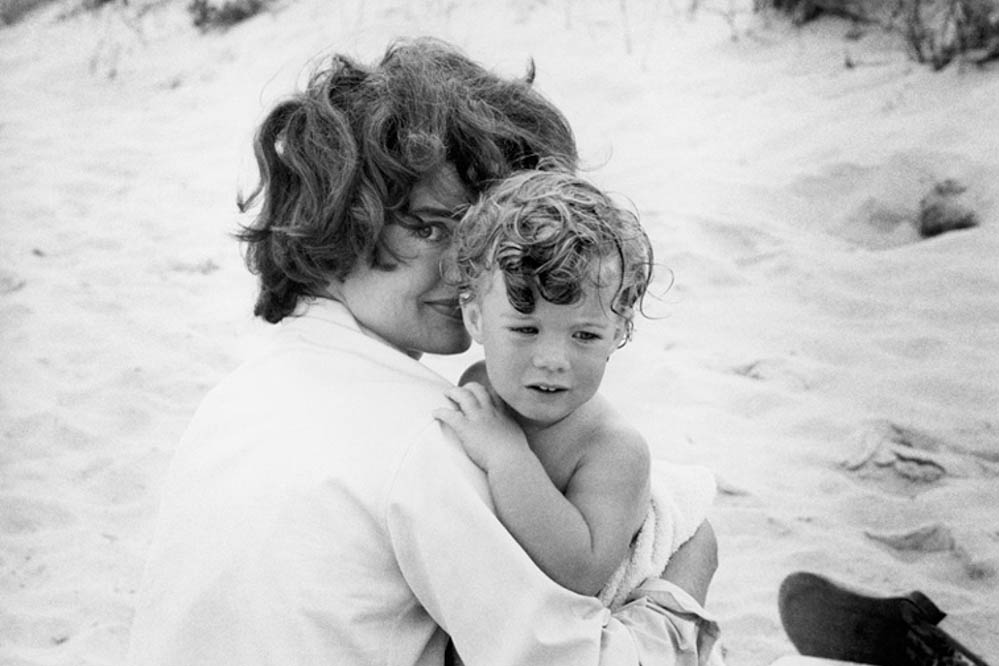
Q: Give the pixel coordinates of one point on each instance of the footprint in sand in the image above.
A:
(938, 538)
(933, 538)
(907, 461)
(887, 205)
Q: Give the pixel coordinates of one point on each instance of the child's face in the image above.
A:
(547, 363)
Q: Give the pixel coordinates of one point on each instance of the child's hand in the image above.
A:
(484, 428)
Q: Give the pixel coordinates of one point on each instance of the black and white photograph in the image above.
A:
(499, 332)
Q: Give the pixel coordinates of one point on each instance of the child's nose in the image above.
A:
(551, 357)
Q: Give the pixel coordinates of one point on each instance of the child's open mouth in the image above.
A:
(547, 388)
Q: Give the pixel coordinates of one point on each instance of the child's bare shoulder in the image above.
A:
(475, 373)
(613, 437)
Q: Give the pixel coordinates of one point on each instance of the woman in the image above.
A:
(315, 513)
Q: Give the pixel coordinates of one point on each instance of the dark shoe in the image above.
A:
(826, 620)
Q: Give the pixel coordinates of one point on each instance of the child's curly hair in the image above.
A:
(551, 232)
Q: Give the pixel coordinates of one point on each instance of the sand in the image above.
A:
(837, 371)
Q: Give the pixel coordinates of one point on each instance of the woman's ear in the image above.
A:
(471, 313)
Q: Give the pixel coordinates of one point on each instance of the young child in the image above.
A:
(551, 272)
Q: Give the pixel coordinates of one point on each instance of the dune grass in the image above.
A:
(12, 11)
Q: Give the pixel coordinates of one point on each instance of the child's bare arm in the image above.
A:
(610, 490)
(580, 538)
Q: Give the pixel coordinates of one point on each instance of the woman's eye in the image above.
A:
(430, 232)
(433, 232)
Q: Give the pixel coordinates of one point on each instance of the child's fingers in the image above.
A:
(466, 401)
(480, 393)
(451, 418)
(486, 395)
(446, 416)
(448, 420)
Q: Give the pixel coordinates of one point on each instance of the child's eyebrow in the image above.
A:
(527, 316)
(592, 323)
(516, 316)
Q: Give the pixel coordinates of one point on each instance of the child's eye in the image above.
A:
(587, 336)
(524, 330)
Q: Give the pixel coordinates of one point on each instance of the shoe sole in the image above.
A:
(826, 620)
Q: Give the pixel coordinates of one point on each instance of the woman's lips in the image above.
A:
(447, 307)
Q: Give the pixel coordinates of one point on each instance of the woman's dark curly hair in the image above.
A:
(338, 161)
(553, 235)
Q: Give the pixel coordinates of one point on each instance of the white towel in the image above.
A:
(681, 498)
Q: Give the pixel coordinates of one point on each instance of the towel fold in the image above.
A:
(681, 498)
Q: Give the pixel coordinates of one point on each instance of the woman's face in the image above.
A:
(410, 306)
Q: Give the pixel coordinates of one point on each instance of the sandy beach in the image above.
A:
(835, 369)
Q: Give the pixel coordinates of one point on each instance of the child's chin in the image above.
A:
(543, 418)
